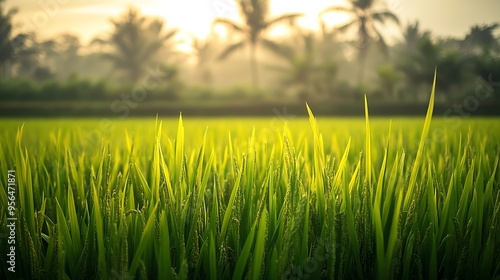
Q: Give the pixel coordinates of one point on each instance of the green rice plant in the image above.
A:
(189, 198)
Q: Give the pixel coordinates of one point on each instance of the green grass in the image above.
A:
(254, 198)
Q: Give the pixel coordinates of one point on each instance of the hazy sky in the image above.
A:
(91, 17)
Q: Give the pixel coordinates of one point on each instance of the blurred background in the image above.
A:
(247, 57)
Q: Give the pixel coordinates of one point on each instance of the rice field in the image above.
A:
(295, 198)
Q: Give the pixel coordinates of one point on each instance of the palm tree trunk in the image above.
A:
(253, 67)
(6, 70)
(135, 74)
(364, 37)
(362, 66)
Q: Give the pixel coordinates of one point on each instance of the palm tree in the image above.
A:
(26, 56)
(255, 14)
(419, 65)
(33, 54)
(311, 64)
(481, 38)
(203, 50)
(365, 18)
(10, 44)
(66, 57)
(412, 35)
(303, 67)
(136, 41)
(388, 79)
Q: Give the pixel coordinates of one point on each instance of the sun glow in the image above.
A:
(196, 16)
(191, 17)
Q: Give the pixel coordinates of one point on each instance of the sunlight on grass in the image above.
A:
(184, 198)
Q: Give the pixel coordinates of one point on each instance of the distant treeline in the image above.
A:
(82, 97)
(76, 89)
(141, 57)
(279, 110)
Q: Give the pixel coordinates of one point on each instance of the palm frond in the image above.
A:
(116, 59)
(11, 12)
(148, 49)
(155, 26)
(170, 34)
(346, 26)
(230, 49)
(290, 18)
(337, 9)
(233, 26)
(244, 7)
(382, 44)
(21, 40)
(278, 49)
(384, 16)
(363, 4)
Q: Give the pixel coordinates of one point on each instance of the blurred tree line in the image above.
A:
(335, 63)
